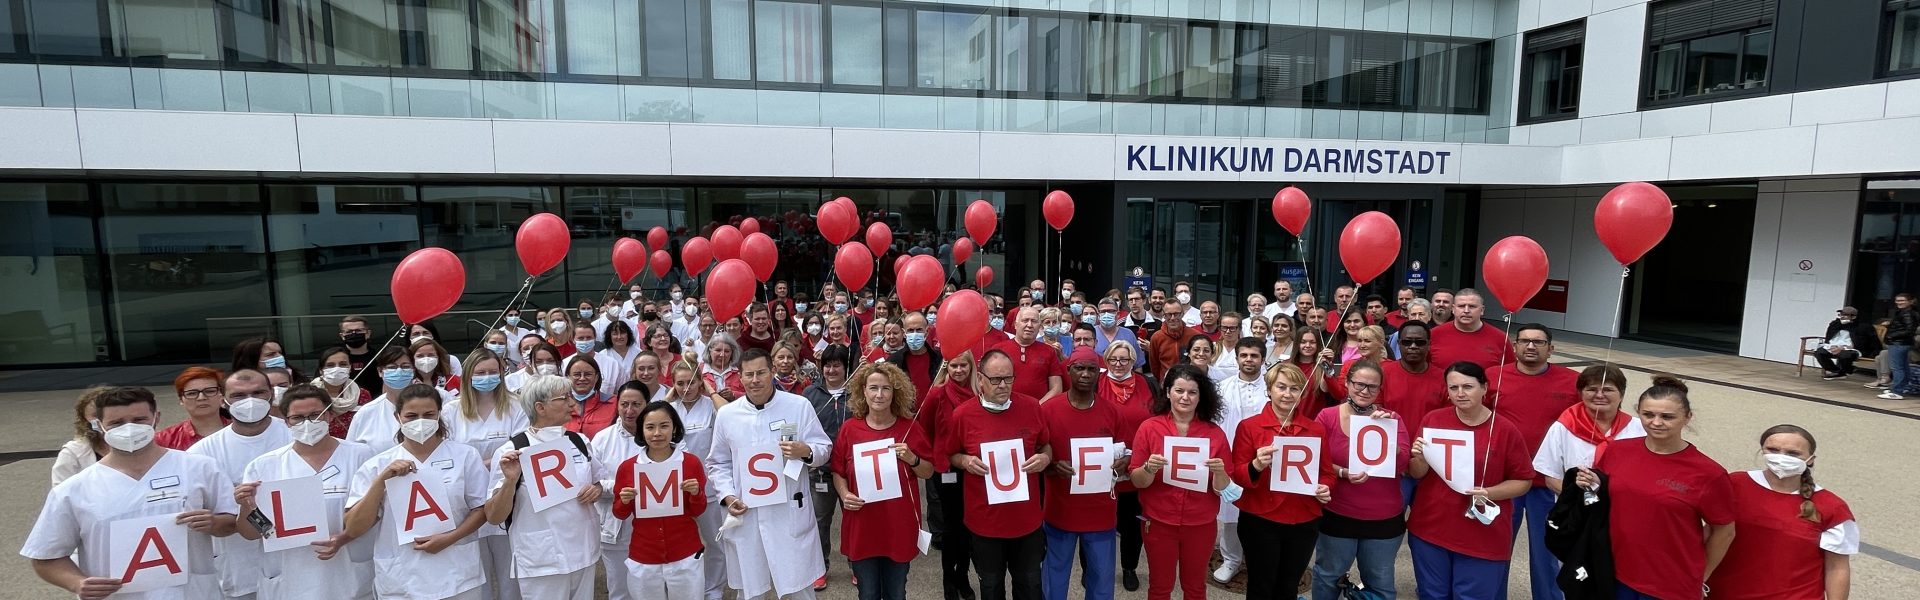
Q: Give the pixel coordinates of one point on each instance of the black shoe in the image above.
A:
(1830, 375)
(966, 592)
(1130, 581)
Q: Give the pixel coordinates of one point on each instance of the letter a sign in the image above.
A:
(1005, 482)
(149, 553)
(420, 506)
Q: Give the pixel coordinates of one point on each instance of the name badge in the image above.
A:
(445, 464)
(697, 427)
(329, 473)
(162, 483)
(579, 459)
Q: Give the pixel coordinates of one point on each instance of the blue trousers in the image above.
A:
(1333, 555)
(881, 578)
(1442, 574)
(1622, 592)
(1097, 553)
(1543, 568)
(1897, 357)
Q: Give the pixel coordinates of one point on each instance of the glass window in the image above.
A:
(182, 29)
(602, 37)
(1550, 72)
(189, 268)
(512, 35)
(334, 249)
(600, 215)
(732, 40)
(1375, 65)
(787, 42)
(1163, 60)
(1707, 47)
(13, 26)
(674, 40)
(364, 34)
(277, 31)
(50, 267)
(1210, 62)
(954, 49)
(1712, 64)
(856, 45)
(899, 47)
(1060, 51)
(1903, 39)
(478, 224)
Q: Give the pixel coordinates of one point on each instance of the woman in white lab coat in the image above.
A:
(483, 417)
(339, 566)
(554, 550)
(443, 565)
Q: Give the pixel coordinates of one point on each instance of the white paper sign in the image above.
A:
(1296, 465)
(757, 472)
(298, 511)
(544, 473)
(1450, 453)
(656, 488)
(1092, 463)
(1186, 462)
(876, 474)
(1372, 446)
(148, 553)
(1005, 481)
(418, 506)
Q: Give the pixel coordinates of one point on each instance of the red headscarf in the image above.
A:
(1580, 423)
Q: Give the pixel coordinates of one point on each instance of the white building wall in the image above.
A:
(1561, 220)
(1802, 257)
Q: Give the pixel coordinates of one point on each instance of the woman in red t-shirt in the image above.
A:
(1180, 520)
(952, 386)
(1277, 530)
(1796, 539)
(1127, 392)
(1460, 551)
(881, 538)
(1307, 343)
(1663, 490)
(663, 558)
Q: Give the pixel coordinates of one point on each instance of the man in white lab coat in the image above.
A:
(761, 450)
(1243, 394)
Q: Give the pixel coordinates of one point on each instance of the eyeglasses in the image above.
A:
(1363, 387)
(1411, 342)
(212, 392)
(998, 381)
(1531, 343)
(298, 419)
(580, 376)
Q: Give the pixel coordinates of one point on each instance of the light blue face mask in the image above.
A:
(930, 319)
(500, 349)
(277, 362)
(916, 340)
(586, 313)
(396, 377)
(1088, 319)
(586, 346)
(486, 383)
(513, 320)
(582, 396)
(799, 307)
(1108, 320)
(1076, 308)
(839, 307)
(997, 323)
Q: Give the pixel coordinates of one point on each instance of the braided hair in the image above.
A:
(1807, 510)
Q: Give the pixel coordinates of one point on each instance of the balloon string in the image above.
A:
(1305, 271)
(1619, 300)
(526, 287)
(1500, 378)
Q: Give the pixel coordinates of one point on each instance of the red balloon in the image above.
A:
(1058, 208)
(962, 250)
(629, 258)
(750, 226)
(981, 220)
(920, 282)
(427, 282)
(1369, 244)
(837, 222)
(1632, 219)
(662, 262)
(879, 238)
(1516, 269)
(726, 242)
(963, 320)
(983, 277)
(1291, 208)
(730, 289)
(542, 243)
(853, 265)
(760, 253)
(696, 255)
(848, 202)
(657, 237)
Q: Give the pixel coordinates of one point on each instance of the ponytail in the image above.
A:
(1807, 510)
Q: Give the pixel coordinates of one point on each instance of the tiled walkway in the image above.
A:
(1727, 369)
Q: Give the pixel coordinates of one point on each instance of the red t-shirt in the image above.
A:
(662, 540)
(1776, 554)
(1258, 432)
(1532, 402)
(1133, 400)
(935, 414)
(888, 528)
(1659, 502)
(1439, 513)
(1034, 366)
(1486, 346)
(970, 426)
(747, 341)
(1167, 503)
(1408, 393)
(918, 371)
(596, 413)
(180, 437)
(1394, 321)
(1077, 512)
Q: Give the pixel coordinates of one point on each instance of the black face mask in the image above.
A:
(354, 338)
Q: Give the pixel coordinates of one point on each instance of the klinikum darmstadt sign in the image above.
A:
(1211, 158)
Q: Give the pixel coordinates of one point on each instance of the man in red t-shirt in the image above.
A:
(1531, 393)
(1079, 521)
(917, 359)
(1402, 297)
(1468, 337)
(1413, 385)
(760, 329)
(1036, 366)
(1006, 535)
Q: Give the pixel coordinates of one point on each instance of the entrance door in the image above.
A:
(1331, 218)
(1691, 290)
(1203, 247)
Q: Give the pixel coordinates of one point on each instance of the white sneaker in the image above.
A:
(1889, 395)
(1226, 572)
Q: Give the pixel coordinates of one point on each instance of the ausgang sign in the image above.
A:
(1148, 159)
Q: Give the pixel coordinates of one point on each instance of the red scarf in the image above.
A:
(1580, 423)
(1119, 391)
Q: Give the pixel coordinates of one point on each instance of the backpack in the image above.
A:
(520, 440)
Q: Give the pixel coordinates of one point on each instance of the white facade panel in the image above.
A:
(1839, 105)
(1867, 146)
(1766, 153)
(39, 138)
(1631, 160)
(1610, 128)
(744, 151)
(1045, 156)
(1557, 133)
(339, 144)
(187, 141)
(879, 153)
(1807, 274)
(573, 148)
(1610, 61)
(1749, 114)
(1903, 98)
(1512, 164)
(1676, 121)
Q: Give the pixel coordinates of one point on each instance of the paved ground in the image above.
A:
(1861, 457)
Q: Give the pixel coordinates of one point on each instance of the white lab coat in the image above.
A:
(560, 540)
(485, 435)
(400, 572)
(375, 425)
(776, 548)
(77, 518)
(239, 558)
(1239, 400)
(296, 573)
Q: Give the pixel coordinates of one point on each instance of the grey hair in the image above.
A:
(1422, 303)
(541, 388)
(721, 337)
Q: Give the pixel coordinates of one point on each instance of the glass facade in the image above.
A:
(1903, 37)
(1887, 255)
(1550, 73)
(179, 272)
(857, 63)
(1699, 48)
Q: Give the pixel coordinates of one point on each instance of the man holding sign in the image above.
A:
(1279, 459)
(1080, 505)
(999, 442)
(1180, 481)
(544, 487)
(761, 450)
(1471, 466)
(139, 520)
(302, 488)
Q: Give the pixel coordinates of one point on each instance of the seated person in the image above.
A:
(1848, 339)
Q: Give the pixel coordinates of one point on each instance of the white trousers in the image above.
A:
(804, 594)
(716, 561)
(614, 558)
(496, 560)
(577, 585)
(1229, 540)
(683, 579)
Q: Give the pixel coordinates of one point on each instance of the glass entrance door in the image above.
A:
(1203, 247)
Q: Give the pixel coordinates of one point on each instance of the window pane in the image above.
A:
(1753, 66)
(666, 38)
(1712, 63)
(189, 268)
(1665, 75)
(953, 49)
(856, 45)
(787, 42)
(600, 215)
(363, 34)
(334, 248)
(732, 39)
(602, 37)
(1062, 53)
(1904, 42)
(50, 268)
(899, 50)
(178, 29)
(1543, 83)
(11, 26)
(1012, 54)
(513, 35)
(1252, 46)
(478, 223)
(1163, 59)
(67, 27)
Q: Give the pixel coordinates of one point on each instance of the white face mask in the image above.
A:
(310, 432)
(633, 295)
(1119, 375)
(426, 364)
(1184, 298)
(335, 375)
(129, 437)
(1785, 466)
(248, 410)
(420, 430)
(677, 296)
(558, 326)
(996, 407)
(548, 434)
(692, 311)
(546, 369)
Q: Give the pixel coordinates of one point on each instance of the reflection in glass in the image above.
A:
(603, 37)
(856, 45)
(189, 268)
(50, 268)
(1903, 40)
(478, 224)
(600, 215)
(732, 36)
(364, 34)
(179, 29)
(787, 40)
(334, 248)
(954, 50)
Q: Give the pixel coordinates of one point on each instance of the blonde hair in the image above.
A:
(902, 390)
(941, 377)
(1379, 353)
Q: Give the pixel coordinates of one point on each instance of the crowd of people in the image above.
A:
(1085, 428)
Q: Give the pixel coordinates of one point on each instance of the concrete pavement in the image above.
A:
(1862, 457)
